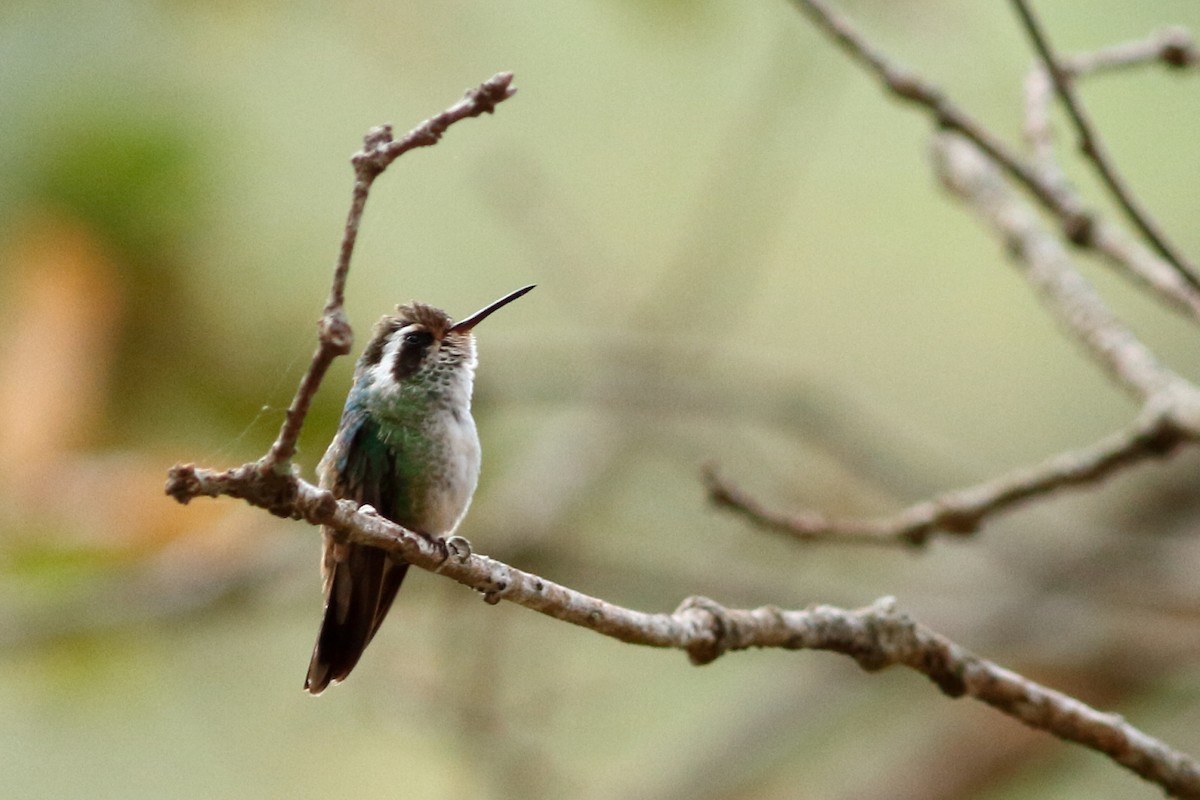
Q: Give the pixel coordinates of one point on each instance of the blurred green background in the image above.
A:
(742, 257)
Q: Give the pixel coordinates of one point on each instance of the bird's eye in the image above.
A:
(418, 339)
(414, 347)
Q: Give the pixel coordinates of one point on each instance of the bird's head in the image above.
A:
(422, 344)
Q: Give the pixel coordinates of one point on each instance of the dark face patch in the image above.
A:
(383, 331)
(413, 346)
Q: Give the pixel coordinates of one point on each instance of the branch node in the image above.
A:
(373, 158)
(278, 491)
(183, 484)
(500, 580)
(1079, 227)
(1178, 48)
(712, 629)
(908, 85)
(459, 548)
(956, 518)
(325, 508)
(335, 331)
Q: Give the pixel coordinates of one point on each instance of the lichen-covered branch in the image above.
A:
(334, 334)
(876, 637)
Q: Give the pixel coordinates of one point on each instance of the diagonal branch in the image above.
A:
(876, 637)
(1172, 47)
(1171, 415)
(1093, 148)
(334, 334)
(1045, 263)
(1080, 226)
(911, 87)
(963, 511)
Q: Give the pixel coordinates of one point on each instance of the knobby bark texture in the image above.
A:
(978, 168)
(876, 637)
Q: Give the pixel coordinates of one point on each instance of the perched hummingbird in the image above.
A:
(407, 446)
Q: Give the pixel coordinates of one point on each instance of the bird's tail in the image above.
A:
(361, 583)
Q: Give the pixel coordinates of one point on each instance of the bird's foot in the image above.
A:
(459, 547)
(455, 547)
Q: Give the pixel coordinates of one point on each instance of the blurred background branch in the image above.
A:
(970, 167)
(701, 298)
(1093, 148)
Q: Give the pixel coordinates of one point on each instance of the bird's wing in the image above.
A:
(360, 581)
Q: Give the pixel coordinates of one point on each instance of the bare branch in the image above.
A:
(335, 336)
(1080, 226)
(911, 87)
(1173, 47)
(876, 637)
(963, 511)
(1092, 146)
(1171, 405)
(1046, 264)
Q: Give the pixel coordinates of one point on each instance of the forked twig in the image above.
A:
(1172, 47)
(1080, 225)
(1171, 405)
(335, 336)
(968, 159)
(1092, 146)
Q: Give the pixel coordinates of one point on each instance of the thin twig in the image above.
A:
(1045, 263)
(1173, 47)
(1081, 226)
(1171, 415)
(911, 87)
(876, 637)
(1092, 146)
(335, 336)
(962, 511)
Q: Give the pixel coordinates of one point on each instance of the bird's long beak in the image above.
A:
(479, 316)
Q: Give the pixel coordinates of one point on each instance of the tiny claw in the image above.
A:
(455, 547)
(458, 547)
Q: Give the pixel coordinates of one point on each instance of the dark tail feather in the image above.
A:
(361, 591)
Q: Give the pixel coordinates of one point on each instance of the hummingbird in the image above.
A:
(407, 446)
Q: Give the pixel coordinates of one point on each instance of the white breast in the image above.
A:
(456, 475)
